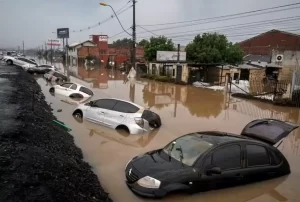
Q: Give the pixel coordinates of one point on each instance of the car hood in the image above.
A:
(152, 163)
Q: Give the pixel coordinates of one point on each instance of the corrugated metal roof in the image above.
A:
(255, 58)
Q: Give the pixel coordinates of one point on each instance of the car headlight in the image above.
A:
(149, 182)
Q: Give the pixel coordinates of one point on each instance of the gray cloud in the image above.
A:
(34, 21)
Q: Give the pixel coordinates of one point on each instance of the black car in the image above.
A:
(209, 160)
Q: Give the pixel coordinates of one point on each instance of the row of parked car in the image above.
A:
(29, 65)
(198, 161)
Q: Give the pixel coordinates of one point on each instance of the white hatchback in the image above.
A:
(118, 114)
(72, 90)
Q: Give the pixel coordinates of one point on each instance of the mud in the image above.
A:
(183, 109)
(38, 160)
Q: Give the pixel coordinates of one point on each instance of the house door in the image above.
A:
(178, 73)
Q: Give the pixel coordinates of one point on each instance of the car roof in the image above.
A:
(78, 85)
(123, 101)
(217, 137)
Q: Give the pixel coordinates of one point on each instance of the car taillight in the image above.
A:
(139, 121)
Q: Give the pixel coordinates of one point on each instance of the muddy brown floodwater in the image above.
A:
(183, 109)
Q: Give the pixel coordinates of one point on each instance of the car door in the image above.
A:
(63, 89)
(99, 109)
(229, 159)
(258, 163)
(120, 112)
(19, 61)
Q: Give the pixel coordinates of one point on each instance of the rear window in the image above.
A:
(125, 107)
(86, 90)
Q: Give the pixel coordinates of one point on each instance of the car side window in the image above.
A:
(257, 155)
(86, 90)
(125, 107)
(227, 157)
(105, 103)
(74, 87)
(66, 85)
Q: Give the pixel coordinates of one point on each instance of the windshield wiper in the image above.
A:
(181, 154)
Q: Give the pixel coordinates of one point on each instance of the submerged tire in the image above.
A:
(78, 116)
(123, 130)
(153, 124)
(9, 62)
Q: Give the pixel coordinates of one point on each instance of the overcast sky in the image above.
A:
(34, 20)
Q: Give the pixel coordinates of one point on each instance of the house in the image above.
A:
(80, 50)
(115, 55)
(171, 69)
(264, 43)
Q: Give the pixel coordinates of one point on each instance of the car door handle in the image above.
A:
(239, 175)
(121, 116)
(101, 113)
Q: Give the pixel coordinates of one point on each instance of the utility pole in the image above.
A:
(23, 48)
(46, 53)
(134, 37)
(178, 60)
(51, 53)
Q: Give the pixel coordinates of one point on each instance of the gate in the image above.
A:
(178, 72)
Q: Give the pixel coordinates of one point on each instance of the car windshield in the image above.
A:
(187, 149)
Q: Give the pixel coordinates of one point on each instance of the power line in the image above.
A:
(118, 12)
(220, 20)
(255, 24)
(231, 15)
(232, 35)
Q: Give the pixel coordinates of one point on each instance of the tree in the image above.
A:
(143, 42)
(123, 42)
(155, 44)
(213, 48)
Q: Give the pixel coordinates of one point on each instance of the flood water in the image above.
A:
(183, 109)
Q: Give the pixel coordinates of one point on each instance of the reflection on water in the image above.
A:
(183, 109)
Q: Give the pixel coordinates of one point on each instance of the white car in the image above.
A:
(72, 90)
(19, 61)
(118, 114)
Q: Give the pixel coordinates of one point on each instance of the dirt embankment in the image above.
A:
(38, 160)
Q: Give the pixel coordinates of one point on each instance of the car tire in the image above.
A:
(123, 130)
(52, 90)
(9, 62)
(78, 116)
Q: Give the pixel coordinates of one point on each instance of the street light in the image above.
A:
(104, 4)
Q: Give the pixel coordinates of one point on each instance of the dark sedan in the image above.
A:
(209, 160)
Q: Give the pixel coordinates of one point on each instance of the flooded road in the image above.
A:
(183, 109)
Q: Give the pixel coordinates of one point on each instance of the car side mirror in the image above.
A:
(214, 170)
(91, 103)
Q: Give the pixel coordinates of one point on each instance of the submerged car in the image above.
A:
(119, 114)
(41, 69)
(209, 160)
(72, 90)
(55, 76)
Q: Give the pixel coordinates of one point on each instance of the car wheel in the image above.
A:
(78, 116)
(9, 62)
(52, 90)
(123, 130)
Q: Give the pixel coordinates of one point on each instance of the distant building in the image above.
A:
(264, 43)
(80, 50)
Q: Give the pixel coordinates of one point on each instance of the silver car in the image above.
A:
(118, 114)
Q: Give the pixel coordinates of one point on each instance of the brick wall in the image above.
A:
(263, 44)
(85, 51)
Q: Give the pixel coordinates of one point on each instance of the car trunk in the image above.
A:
(270, 131)
(152, 118)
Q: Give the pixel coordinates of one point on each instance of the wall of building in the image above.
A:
(264, 44)
(290, 62)
(85, 51)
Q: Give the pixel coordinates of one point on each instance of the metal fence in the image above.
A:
(285, 91)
